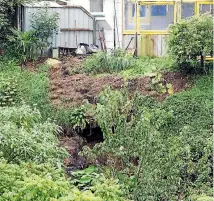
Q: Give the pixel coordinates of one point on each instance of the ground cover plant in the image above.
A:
(167, 154)
(30, 182)
(146, 65)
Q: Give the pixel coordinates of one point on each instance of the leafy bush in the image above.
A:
(103, 62)
(25, 138)
(190, 38)
(163, 152)
(107, 189)
(8, 91)
(21, 45)
(32, 87)
(30, 182)
(24, 45)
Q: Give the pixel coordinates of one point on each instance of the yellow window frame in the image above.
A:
(198, 3)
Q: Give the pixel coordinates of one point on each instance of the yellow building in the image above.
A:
(147, 21)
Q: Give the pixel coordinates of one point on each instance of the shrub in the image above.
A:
(191, 38)
(103, 62)
(24, 45)
(30, 182)
(21, 45)
(25, 138)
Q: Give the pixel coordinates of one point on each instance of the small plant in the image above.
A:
(8, 91)
(21, 45)
(78, 117)
(83, 178)
(159, 84)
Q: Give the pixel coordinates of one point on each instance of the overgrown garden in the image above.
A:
(151, 150)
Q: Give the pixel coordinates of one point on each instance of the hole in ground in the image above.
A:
(74, 140)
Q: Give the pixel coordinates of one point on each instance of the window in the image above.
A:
(206, 8)
(158, 10)
(142, 10)
(161, 16)
(187, 10)
(96, 5)
(133, 10)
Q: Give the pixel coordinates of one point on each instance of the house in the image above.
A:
(136, 24)
(146, 21)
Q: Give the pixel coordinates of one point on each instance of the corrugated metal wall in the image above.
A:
(76, 25)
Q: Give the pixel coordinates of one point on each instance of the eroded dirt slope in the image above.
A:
(71, 90)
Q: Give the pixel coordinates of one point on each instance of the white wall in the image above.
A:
(83, 3)
(109, 16)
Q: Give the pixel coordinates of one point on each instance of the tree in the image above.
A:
(44, 24)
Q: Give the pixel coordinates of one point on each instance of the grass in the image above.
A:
(123, 64)
(145, 65)
(33, 89)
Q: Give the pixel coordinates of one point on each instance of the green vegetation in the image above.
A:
(167, 154)
(24, 46)
(25, 138)
(30, 182)
(152, 151)
(191, 38)
(44, 25)
(29, 140)
(104, 62)
(146, 65)
(126, 65)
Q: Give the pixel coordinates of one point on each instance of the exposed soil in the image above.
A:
(33, 65)
(71, 90)
(74, 145)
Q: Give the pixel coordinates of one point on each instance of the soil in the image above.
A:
(33, 65)
(70, 90)
(73, 145)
